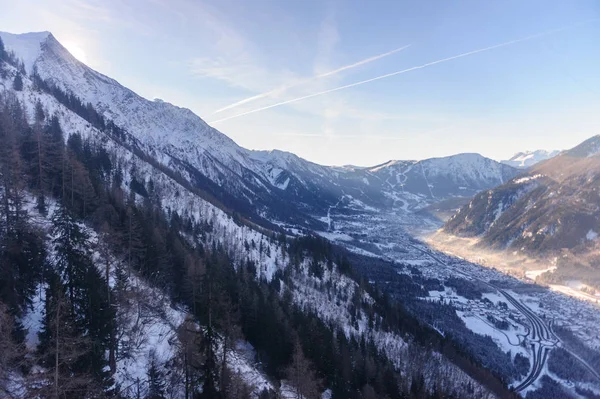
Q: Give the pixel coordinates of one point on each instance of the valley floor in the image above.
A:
(532, 314)
(516, 265)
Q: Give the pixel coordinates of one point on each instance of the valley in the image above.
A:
(514, 264)
(518, 315)
(324, 277)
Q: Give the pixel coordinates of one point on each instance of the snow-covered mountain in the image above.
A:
(455, 176)
(550, 211)
(261, 184)
(523, 160)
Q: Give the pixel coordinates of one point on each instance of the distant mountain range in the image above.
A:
(523, 160)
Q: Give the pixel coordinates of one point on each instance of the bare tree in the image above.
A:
(11, 353)
(231, 332)
(237, 388)
(189, 358)
(301, 375)
(104, 248)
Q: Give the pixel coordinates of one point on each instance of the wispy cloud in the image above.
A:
(282, 89)
(230, 55)
(388, 75)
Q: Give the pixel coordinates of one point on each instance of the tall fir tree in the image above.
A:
(156, 378)
(84, 289)
(18, 82)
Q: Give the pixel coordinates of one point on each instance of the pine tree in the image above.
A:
(84, 288)
(3, 54)
(72, 258)
(62, 349)
(54, 156)
(18, 82)
(34, 151)
(156, 378)
(208, 370)
(21, 249)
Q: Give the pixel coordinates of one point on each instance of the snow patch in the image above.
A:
(527, 178)
(591, 235)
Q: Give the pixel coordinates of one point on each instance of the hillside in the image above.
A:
(550, 212)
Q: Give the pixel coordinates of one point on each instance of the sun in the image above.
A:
(75, 50)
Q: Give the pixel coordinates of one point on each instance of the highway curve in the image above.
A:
(542, 337)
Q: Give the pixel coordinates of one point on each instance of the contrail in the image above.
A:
(304, 81)
(537, 35)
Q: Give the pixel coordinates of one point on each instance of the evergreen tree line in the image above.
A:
(77, 317)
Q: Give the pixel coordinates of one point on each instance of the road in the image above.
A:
(541, 337)
(542, 340)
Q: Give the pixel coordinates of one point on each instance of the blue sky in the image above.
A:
(543, 92)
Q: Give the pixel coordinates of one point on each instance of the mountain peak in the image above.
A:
(27, 46)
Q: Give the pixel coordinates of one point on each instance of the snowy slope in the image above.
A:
(458, 175)
(549, 211)
(26, 45)
(283, 174)
(158, 331)
(523, 160)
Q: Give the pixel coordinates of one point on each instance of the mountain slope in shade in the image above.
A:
(261, 184)
(523, 160)
(552, 211)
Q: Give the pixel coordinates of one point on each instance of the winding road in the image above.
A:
(540, 336)
(542, 340)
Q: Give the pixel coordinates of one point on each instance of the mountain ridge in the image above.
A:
(551, 211)
(263, 180)
(526, 159)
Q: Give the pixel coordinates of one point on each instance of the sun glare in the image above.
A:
(75, 50)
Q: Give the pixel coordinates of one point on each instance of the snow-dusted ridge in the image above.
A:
(26, 45)
(523, 160)
(267, 182)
